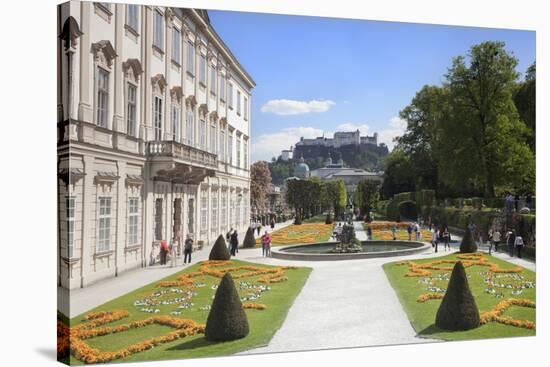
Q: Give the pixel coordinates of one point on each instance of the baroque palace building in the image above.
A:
(153, 136)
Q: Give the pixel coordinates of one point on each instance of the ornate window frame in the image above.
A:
(104, 54)
(132, 69)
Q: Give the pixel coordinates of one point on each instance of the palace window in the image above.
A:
(202, 69)
(238, 102)
(176, 136)
(157, 117)
(190, 58)
(213, 140)
(222, 88)
(204, 209)
(102, 96)
(158, 219)
(133, 220)
(230, 95)
(132, 14)
(245, 148)
(238, 151)
(131, 108)
(202, 128)
(69, 207)
(158, 32)
(214, 220)
(224, 209)
(245, 107)
(213, 79)
(222, 145)
(230, 148)
(104, 224)
(190, 128)
(176, 49)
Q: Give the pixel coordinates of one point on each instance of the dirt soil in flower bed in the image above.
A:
(181, 302)
(504, 293)
(305, 233)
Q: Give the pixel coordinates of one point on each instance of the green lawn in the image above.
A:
(422, 315)
(263, 323)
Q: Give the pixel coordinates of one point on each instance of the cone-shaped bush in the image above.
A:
(249, 240)
(458, 310)
(219, 250)
(468, 244)
(227, 319)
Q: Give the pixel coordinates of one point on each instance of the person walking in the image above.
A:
(416, 231)
(163, 252)
(259, 227)
(495, 241)
(510, 241)
(187, 249)
(434, 238)
(446, 239)
(369, 233)
(409, 231)
(234, 243)
(394, 231)
(266, 244)
(174, 252)
(272, 223)
(518, 244)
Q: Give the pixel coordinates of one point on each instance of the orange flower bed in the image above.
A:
(428, 296)
(87, 330)
(270, 275)
(63, 342)
(387, 225)
(495, 315)
(421, 270)
(254, 306)
(301, 234)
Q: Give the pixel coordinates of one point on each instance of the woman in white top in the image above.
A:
(495, 240)
(518, 244)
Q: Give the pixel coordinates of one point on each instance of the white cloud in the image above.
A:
(267, 146)
(291, 107)
(397, 128)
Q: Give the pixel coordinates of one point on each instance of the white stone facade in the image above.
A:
(153, 136)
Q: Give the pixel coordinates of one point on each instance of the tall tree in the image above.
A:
(525, 100)
(484, 140)
(399, 174)
(336, 195)
(367, 196)
(260, 179)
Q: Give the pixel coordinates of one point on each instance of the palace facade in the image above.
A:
(153, 136)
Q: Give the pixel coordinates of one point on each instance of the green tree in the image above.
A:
(399, 174)
(484, 141)
(525, 101)
(367, 197)
(336, 196)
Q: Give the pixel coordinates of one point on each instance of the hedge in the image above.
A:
(408, 209)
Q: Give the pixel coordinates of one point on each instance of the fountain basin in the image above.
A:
(371, 249)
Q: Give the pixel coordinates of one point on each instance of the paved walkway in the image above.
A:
(342, 304)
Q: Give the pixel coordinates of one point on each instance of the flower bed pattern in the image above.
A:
(382, 231)
(177, 293)
(496, 278)
(305, 233)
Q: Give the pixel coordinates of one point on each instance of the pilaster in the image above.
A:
(85, 111)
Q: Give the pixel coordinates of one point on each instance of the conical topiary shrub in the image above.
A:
(458, 310)
(249, 240)
(468, 244)
(227, 319)
(219, 250)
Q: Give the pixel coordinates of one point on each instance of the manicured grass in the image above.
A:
(263, 323)
(304, 233)
(422, 315)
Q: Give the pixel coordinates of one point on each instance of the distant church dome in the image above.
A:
(302, 170)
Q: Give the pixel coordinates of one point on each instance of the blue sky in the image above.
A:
(318, 75)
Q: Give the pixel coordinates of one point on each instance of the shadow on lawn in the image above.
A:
(432, 329)
(192, 344)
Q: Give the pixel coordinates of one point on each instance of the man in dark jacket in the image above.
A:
(234, 241)
(510, 241)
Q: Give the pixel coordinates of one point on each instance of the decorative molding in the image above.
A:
(132, 69)
(71, 175)
(134, 180)
(106, 178)
(214, 116)
(104, 52)
(191, 101)
(70, 33)
(176, 93)
(159, 81)
(203, 108)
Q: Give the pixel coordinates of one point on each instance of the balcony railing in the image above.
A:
(182, 152)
